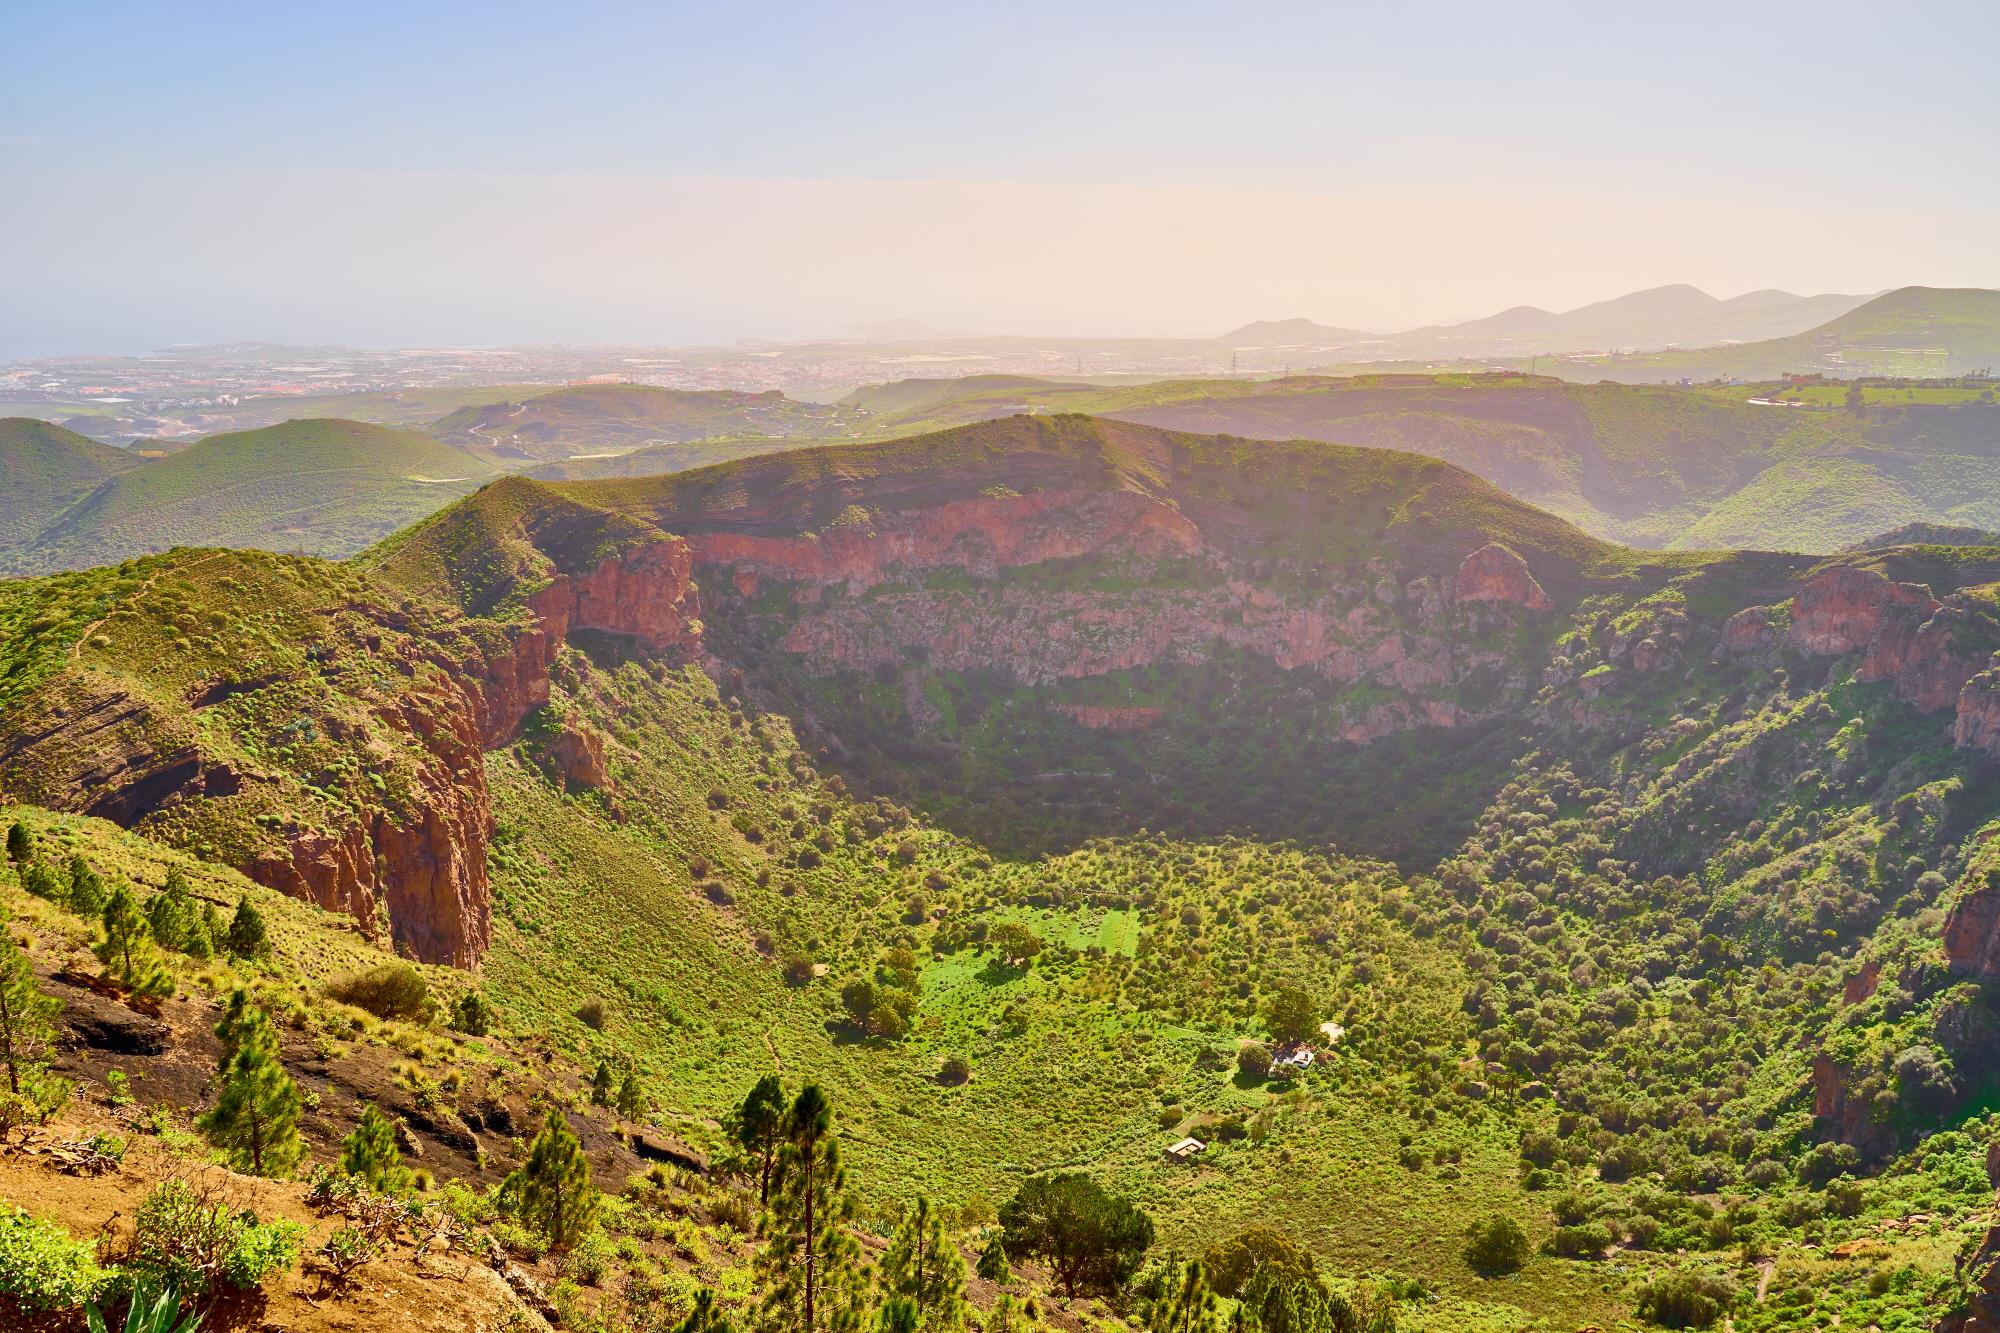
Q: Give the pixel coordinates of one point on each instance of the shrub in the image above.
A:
(591, 1014)
(1496, 1246)
(472, 1015)
(1686, 1300)
(1587, 1240)
(190, 1238)
(388, 990)
(956, 1069)
(41, 1268)
(1254, 1062)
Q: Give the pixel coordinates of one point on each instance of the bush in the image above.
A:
(1587, 1240)
(955, 1069)
(472, 1015)
(1254, 1062)
(1496, 1246)
(389, 990)
(41, 1268)
(1686, 1300)
(189, 1239)
(591, 1014)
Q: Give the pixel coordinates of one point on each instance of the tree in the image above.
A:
(1254, 1062)
(126, 949)
(1856, 397)
(705, 1317)
(631, 1097)
(1496, 1246)
(27, 1017)
(1230, 1264)
(759, 1126)
(600, 1084)
(1180, 1301)
(42, 880)
(370, 1153)
(247, 935)
(552, 1193)
(923, 1266)
(20, 844)
(1014, 942)
(175, 920)
(899, 1315)
(993, 1261)
(810, 1264)
(87, 893)
(1291, 1017)
(256, 1118)
(1088, 1238)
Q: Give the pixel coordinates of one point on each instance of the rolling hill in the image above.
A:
(1656, 466)
(597, 420)
(47, 468)
(323, 486)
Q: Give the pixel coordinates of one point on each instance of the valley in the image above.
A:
(1646, 893)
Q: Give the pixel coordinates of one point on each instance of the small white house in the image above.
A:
(1185, 1150)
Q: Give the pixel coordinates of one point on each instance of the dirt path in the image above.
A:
(1764, 1271)
(76, 645)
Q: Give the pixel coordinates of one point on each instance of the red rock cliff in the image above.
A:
(94, 742)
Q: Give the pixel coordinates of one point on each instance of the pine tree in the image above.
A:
(27, 1017)
(899, 1315)
(759, 1125)
(371, 1154)
(247, 937)
(87, 893)
(20, 844)
(173, 917)
(551, 1193)
(1183, 1303)
(600, 1084)
(924, 1267)
(993, 1265)
(631, 1098)
(705, 1317)
(257, 1116)
(42, 880)
(810, 1264)
(126, 950)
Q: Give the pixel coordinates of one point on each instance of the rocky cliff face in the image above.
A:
(369, 693)
(1935, 653)
(1154, 590)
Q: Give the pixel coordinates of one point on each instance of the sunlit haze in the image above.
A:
(475, 174)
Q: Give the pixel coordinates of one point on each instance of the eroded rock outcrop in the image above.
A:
(1935, 654)
(1494, 573)
(980, 536)
(1972, 930)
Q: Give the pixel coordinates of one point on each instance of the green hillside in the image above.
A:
(1651, 465)
(47, 468)
(321, 486)
(605, 419)
(1024, 785)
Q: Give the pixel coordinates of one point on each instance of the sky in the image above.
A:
(487, 174)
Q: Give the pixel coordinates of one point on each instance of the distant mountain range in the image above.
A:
(1673, 316)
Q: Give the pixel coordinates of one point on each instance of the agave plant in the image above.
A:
(159, 1314)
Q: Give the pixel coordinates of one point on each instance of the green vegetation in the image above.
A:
(326, 487)
(606, 420)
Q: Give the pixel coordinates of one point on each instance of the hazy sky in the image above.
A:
(401, 174)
